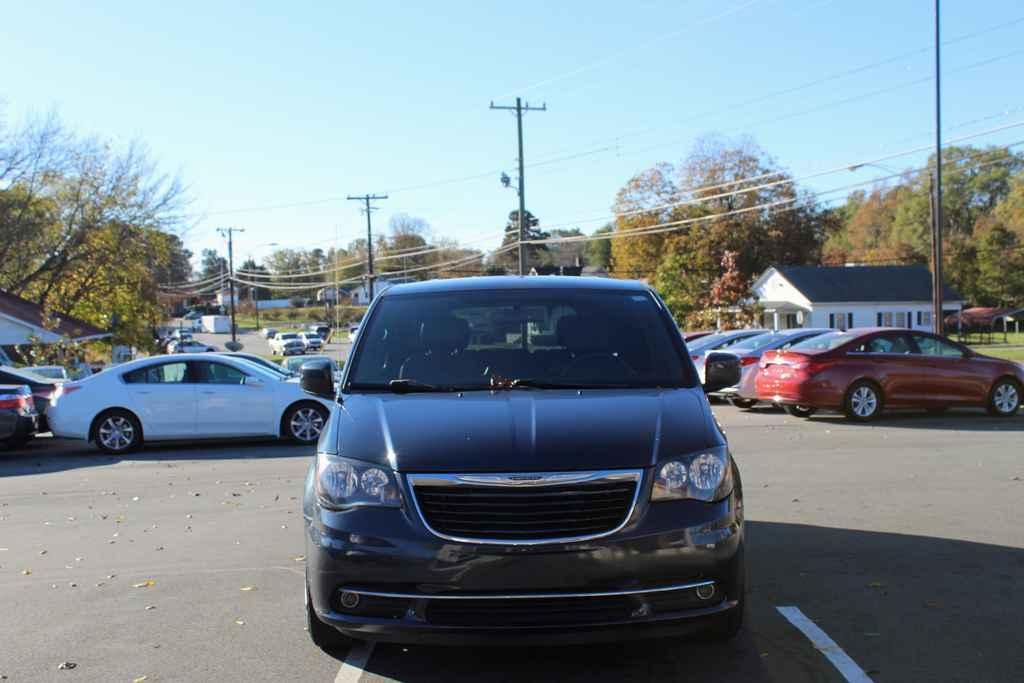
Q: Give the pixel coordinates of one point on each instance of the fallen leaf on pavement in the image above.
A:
(247, 588)
(150, 607)
(140, 679)
(66, 666)
(26, 572)
(240, 622)
(148, 583)
(299, 558)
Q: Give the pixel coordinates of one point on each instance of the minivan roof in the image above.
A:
(514, 282)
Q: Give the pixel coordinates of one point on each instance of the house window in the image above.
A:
(924, 318)
(893, 319)
(840, 321)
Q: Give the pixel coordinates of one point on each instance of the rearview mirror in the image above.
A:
(318, 378)
(720, 371)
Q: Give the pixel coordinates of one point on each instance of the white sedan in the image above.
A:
(185, 396)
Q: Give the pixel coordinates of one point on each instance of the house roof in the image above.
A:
(867, 284)
(32, 315)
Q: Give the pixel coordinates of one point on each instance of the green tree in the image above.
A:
(88, 228)
(599, 252)
(536, 254)
(707, 207)
(1000, 268)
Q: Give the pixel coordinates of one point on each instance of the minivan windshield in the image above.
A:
(518, 338)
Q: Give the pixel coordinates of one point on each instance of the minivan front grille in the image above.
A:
(526, 508)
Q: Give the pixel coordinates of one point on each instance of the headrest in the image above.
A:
(444, 334)
(583, 333)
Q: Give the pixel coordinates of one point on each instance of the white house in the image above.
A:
(22, 321)
(359, 296)
(842, 297)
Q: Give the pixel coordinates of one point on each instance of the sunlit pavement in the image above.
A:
(902, 542)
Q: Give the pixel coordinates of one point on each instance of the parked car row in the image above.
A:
(290, 343)
(861, 372)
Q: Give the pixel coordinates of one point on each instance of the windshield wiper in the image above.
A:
(408, 386)
(526, 383)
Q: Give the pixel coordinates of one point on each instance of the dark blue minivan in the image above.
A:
(525, 460)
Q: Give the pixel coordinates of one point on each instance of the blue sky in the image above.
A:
(284, 103)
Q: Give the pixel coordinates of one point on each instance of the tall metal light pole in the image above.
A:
(519, 109)
(937, 317)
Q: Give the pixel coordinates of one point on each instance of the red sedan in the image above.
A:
(860, 372)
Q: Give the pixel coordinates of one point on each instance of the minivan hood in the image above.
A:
(524, 430)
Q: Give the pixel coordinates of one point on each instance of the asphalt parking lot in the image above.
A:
(902, 541)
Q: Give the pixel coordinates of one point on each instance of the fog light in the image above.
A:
(349, 600)
(706, 592)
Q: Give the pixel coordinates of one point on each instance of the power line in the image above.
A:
(613, 143)
(615, 55)
(707, 188)
(799, 202)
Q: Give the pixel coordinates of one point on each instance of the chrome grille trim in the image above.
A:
(530, 596)
(525, 480)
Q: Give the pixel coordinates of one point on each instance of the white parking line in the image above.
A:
(352, 668)
(828, 647)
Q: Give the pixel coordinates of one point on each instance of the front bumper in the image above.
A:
(667, 549)
(799, 391)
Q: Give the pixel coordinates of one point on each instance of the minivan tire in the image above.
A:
(1004, 398)
(324, 636)
(863, 401)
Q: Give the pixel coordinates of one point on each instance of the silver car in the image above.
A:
(700, 348)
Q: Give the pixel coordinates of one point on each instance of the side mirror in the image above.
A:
(721, 370)
(317, 378)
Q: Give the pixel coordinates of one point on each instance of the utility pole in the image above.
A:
(519, 109)
(937, 317)
(229, 233)
(367, 198)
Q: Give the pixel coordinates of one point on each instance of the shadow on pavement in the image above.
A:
(903, 607)
(958, 420)
(45, 454)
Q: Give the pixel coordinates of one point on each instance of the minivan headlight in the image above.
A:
(705, 476)
(343, 483)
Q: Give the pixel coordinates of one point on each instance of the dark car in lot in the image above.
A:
(18, 417)
(507, 462)
(42, 389)
(863, 371)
